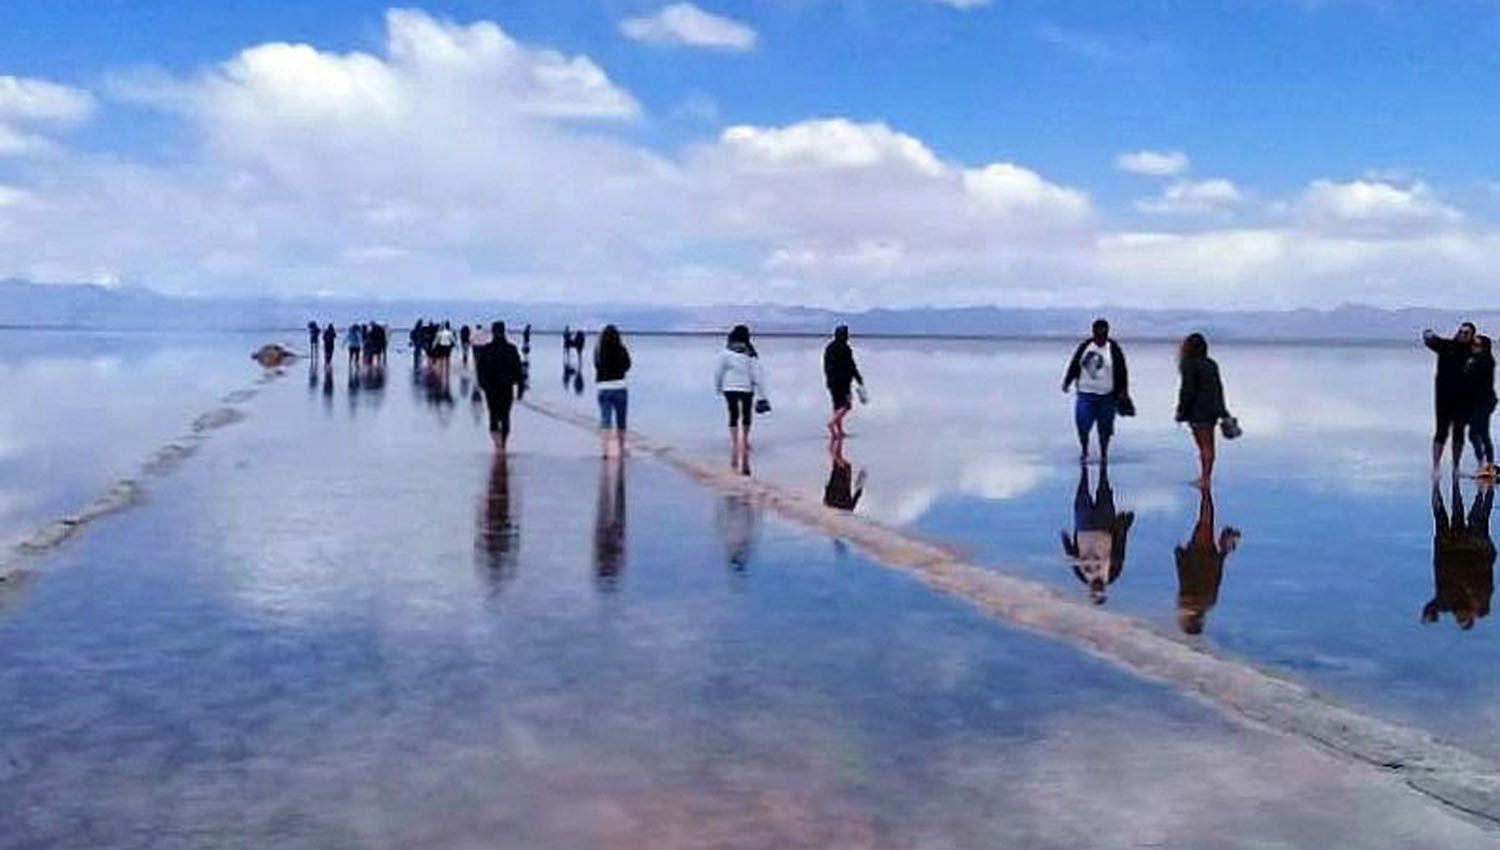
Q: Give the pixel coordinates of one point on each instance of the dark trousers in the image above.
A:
(499, 401)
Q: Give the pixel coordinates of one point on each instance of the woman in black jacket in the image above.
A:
(1200, 400)
(1479, 389)
(611, 362)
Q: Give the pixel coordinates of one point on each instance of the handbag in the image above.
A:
(1125, 406)
(1230, 428)
(862, 394)
(762, 406)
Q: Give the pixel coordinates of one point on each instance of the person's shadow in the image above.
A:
(497, 535)
(1096, 547)
(1200, 566)
(845, 487)
(609, 524)
(1463, 557)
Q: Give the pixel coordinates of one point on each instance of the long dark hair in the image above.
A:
(610, 345)
(741, 334)
(1194, 346)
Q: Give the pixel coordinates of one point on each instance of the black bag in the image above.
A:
(762, 406)
(1230, 428)
(1125, 406)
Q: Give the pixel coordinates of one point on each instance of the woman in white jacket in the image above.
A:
(739, 379)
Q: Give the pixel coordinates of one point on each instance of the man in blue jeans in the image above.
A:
(1098, 371)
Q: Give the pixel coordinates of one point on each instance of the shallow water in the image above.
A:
(342, 624)
(971, 443)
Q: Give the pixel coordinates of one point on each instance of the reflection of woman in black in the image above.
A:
(1097, 545)
(1463, 558)
(844, 487)
(1200, 566)
(498, 535)
(609, 523)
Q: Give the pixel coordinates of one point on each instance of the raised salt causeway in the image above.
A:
(1453, 775)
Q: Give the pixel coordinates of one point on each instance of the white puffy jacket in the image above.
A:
(739, 372)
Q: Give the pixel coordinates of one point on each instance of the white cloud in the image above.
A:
(1373, 204)
(1012, 188)
(688, 25)
(831, 143)
(1153, 163)
(30, 106)
(1193, 197)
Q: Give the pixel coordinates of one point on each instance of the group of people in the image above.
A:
(366, 343)
(1464, 396)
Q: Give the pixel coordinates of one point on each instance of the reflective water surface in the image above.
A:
(345, 623)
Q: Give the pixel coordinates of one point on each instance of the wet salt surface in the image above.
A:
(340, 624)
(87, 408)
(971, 444)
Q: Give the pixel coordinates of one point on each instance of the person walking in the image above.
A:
(1450, 400)
(611, 363)
(1200, 400)
(442, 347)
(1099, 372)
(355, 340)
(1479, 380)
(497, 365)
(840, 373)
(463, 340)
(739, 380)
(314, 333)
(330, 339)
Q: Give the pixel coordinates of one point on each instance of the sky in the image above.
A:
(842, 153)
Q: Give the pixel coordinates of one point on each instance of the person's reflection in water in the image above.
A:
(499, 533)
(578, 381)
(845, 487)
(312, 375)
(328, 388)
(1097, 545)
(1200, 566)
(1463, 557)
(737, 520)
(609, 523)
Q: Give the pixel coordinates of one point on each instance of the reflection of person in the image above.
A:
(840, 373)
(1097, 545)
(1479, 388)
(736, 521)
(1200, 400)
(844, 487)
(498, 534)
(609, 523)
(1200, 566)
(497, 366)
(1450, 401)
(1463, 558)
(1102, 379)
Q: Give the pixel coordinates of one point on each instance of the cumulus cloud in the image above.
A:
(31, 108)
(687, 25)
(456, 159)
(1187, 197)
(1153, 163)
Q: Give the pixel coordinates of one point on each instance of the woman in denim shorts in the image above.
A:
(611, 362)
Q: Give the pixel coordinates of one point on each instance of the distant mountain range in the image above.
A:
(26, 304)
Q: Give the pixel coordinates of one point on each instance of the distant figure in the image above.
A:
(609, 524)
(1479, 388)
(443, 342)
(1451, 402)
(844, 488)
(611, 363)
(463, 341)
(414, 339)
(330, 340)
(497, 365)
(738, 378)
(1103, 381)
(313, 335)
(355, 340)
(1200, 566)
(1463, 558)
(840, 373)
(1097, 545)
(567, 340)
(1200, 400)
(375, 343)
(526, 339)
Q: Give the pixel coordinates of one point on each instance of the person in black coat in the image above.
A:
(1451, 402)
(1479, 390)
(1200, 400)
(497, 366)
(840, 372)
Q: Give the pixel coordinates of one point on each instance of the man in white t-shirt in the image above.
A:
(1103, 382)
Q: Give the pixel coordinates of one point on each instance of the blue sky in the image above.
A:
(1270, 96)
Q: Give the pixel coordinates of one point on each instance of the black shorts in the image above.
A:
(1451, 420)
(741, 407)
(840, 396)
